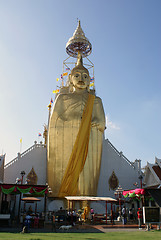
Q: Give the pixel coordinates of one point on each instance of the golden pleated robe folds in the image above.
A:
(64, 126)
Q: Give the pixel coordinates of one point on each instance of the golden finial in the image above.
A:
(78, 43)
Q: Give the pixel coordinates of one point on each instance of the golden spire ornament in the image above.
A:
(78, 43)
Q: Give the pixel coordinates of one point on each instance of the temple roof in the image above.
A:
(152, 175)
(157, 170)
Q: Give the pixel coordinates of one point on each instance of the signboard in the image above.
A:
(151, 215)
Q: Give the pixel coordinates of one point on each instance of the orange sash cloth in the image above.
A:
(79, 153)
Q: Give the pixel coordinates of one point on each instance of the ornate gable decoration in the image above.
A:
(113, 181)
(32, 177)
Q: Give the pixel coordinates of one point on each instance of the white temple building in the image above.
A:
(114, 164)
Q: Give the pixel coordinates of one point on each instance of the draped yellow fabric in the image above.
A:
(79, 153)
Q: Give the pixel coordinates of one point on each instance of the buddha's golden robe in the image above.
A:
(63, 129)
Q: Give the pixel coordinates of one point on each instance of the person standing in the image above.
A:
(139, 214)
(92, 214)
(28, 219)
(131, 214)
(124, 215)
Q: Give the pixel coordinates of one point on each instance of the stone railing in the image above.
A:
(20, 155)
(120, 154)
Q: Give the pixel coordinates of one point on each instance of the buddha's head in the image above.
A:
(79, 76)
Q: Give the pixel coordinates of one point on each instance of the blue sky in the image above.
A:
(126, 41)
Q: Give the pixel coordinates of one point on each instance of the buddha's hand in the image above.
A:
(99, 126)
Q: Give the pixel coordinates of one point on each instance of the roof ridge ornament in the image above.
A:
(78, 43)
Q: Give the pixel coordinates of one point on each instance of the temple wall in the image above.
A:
(126, 172)
(150, 179)
(34, 157)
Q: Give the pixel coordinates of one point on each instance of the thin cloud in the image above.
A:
(111, 125)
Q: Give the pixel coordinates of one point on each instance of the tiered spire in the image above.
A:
(78, 43)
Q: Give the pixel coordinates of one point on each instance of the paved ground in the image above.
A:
(81, 229)
(118, 228)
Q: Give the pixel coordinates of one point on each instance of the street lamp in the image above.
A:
(22, 175)
(118, 195)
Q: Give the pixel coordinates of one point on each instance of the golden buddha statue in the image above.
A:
(75, 136)
(64, 125)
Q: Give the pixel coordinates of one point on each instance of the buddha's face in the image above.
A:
(80, 79)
